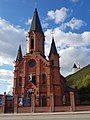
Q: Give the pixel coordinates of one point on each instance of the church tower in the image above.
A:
(56, 78)
(53, 55)
(35, 36)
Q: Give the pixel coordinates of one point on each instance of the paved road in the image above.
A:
(84, 116)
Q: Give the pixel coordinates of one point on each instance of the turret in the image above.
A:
(35, 36)
(19, 54)
(53, 55)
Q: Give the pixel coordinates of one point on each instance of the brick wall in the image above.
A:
(48, 109)
(24, 109)
(43, 109)
(62, 109)
(82, 108)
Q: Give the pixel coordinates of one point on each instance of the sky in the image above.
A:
(68, 20)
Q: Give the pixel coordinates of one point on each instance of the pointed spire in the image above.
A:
(36, 25)
(19, 54)
(75, 66)
(53, 47)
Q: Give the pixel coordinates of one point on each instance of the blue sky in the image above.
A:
(68, 19)
(18, 11)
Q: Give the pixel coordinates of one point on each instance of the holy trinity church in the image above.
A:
(38, 83)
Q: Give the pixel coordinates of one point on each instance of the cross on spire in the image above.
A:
(52, 34)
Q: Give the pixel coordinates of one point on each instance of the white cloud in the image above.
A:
(73, 24)
(44, 24)
(6, 74)
(74, 1)
(59, 15)
(68, 39)
(72, 55)
(6, 77)
(10, 38)
(5, 60)
(29, 21)
(72, 47)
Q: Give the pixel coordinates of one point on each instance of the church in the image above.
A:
(36, 76)
(38, 83)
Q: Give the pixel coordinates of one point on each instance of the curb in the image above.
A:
(40, 114)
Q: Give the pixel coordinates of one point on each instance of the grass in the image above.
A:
(80, 79)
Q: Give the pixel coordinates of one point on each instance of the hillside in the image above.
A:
(80, 79)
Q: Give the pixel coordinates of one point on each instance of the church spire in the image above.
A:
(19, 54)
(36, 36)
(36, 25)
(75, 66)
(53, 49)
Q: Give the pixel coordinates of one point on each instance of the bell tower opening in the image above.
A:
(32, 43)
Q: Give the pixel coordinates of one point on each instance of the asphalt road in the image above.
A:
(84, 116)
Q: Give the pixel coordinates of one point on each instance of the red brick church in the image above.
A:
(38, 83)
(37, 79)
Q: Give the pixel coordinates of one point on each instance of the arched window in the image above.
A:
(20, 81)
(52, 62)
(43, 78)
(32, 43)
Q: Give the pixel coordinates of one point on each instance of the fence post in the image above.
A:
(52, 103)
(33, 103)
(3, 105)
(15, 104)
(72, 101)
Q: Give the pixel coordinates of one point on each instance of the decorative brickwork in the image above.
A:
(37, 81)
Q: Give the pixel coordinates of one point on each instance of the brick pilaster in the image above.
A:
(15, 104)
(52, 103)
(72, 101)
(33, 103)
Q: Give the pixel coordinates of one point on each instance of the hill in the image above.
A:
(80, 79)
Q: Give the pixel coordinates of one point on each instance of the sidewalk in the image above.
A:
(42, 114)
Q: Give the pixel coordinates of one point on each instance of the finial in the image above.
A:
(35, 6)
(52, 34)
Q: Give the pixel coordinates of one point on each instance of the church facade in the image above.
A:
(36, 75)
(38, 84)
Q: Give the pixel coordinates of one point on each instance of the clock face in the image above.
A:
(32, 63)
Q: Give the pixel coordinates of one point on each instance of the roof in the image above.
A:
(36, 25)
(53, 48)
(19, 54)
